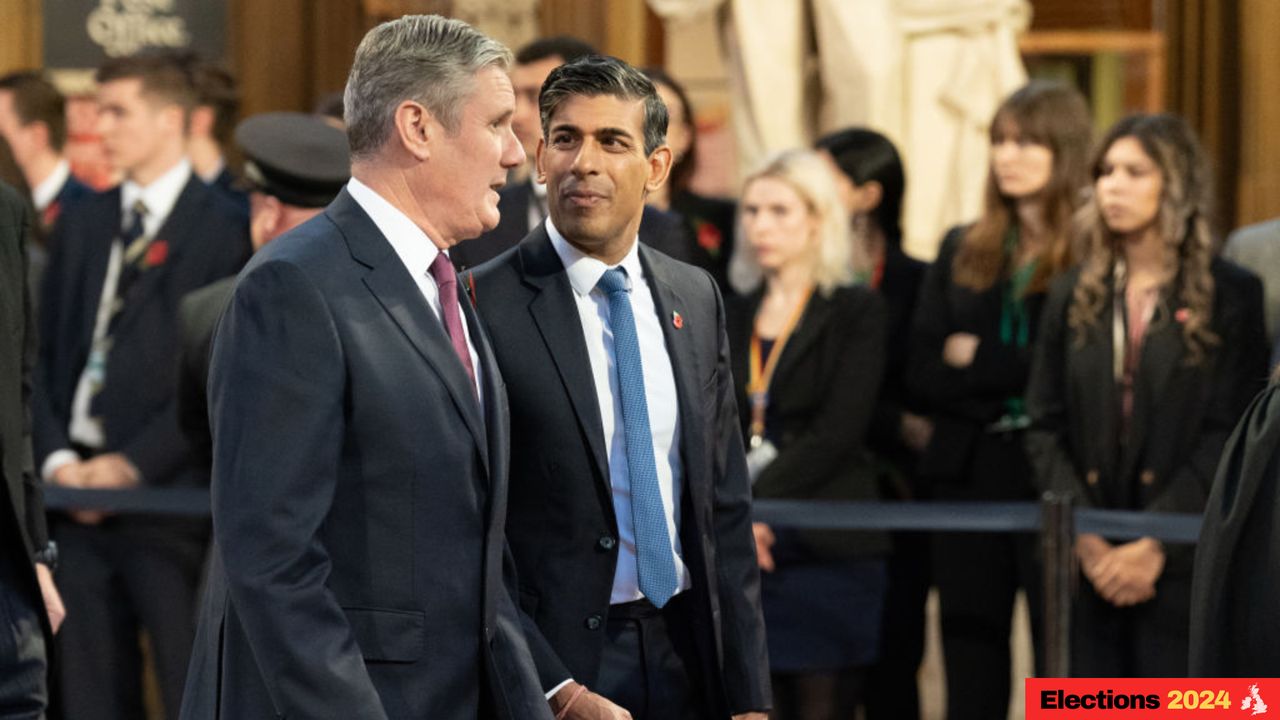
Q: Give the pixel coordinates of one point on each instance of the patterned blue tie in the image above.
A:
(654, 559)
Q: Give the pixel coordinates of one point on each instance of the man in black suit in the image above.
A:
(360, 426)
(523, 203)
(33, 120)
(630, 514)
(26, 585)
(296, 164)
(105, 410)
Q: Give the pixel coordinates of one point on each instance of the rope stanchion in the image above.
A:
(1057, 548)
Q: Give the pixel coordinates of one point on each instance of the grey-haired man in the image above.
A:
(359, 423)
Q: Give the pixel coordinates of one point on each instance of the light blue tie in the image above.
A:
(654, 559)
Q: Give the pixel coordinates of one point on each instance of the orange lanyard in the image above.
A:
(762, 371)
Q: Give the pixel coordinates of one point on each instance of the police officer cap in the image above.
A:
(298, 158)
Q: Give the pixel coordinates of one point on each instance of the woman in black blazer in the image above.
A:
(975, 325)
(808, 355)
(1150, 351)
(871, 181)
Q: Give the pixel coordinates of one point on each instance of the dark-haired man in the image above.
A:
(33, 121)
(105, 413)
(630, 512)
(523, 203)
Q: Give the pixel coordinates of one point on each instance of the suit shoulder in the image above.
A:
(1235, 283)
(856, 299)
(214, 294)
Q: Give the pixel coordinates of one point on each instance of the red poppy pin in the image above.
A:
(1182, 315)
(157, 253)
(677, 319)
(50, 214)
(709, 238)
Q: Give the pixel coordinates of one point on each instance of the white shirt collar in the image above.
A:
(159, 197)
(585, 271)
(415, 249)
(44, 193)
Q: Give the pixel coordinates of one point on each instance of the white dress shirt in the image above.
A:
(417, 252)
(44, 192)
(159, 197)
(660, 392)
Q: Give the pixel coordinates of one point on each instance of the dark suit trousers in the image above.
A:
(1150, 639)
(122, 576)
(650, 664)
(978, 576)
(22, 652)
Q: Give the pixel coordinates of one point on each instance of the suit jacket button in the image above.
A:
(1091, 477)
(593, 622)
(1148, 477)
(606, 542)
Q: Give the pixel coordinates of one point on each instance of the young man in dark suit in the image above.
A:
(360, 427)
(630, 515)
(33, 120)
(30, 608)
(523, 203)
(105, 411)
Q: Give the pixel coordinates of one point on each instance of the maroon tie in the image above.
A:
(447, 281)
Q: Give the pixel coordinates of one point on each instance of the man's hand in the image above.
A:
(752, 716)
(70, 475)
(764, 544)
(959, 349)
(916, 431)
(111, 471)
(1127, 575)
(587, 705)
(52, 600)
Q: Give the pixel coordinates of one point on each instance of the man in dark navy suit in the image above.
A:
(360, 424)
(523, 203)
(30, 608)
(630, 514)
(105, 412)
(33, 120)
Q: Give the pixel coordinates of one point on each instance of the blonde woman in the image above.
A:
(1149, 353)
(808, 354)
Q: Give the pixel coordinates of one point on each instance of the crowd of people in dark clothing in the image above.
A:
(1082, 334)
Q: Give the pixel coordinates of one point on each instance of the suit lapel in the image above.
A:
(805, 334)
(555, 313)
(684, 366)
(97, 256)
(1162, 352)
(174, 233)
(400, 297)
(490, 379)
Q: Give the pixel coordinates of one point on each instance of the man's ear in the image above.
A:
(539, 172)
(416, 128)
(872, 193)
(659, 168)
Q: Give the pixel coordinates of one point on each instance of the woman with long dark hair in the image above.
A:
(975, 326)
(807, 346)
(872, 184)
(708, 221)
(1149, 353)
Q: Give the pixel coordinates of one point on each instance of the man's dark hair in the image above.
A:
(216, 88)
(35, 99)
(565, 47)
(162, 75)
(596, 75)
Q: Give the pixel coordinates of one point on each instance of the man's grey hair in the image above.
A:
(596, 75)
(424, 58)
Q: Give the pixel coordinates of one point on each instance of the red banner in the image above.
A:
(1154, 698)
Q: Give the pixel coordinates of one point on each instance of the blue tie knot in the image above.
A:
(614, 280)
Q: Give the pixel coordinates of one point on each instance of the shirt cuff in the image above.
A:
(558, 688)
(56, 460)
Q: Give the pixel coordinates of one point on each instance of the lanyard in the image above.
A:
(762, 371)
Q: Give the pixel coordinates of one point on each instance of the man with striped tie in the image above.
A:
(629, 512)
(105, 403)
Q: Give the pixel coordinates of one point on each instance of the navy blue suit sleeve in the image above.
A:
(276, 391)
